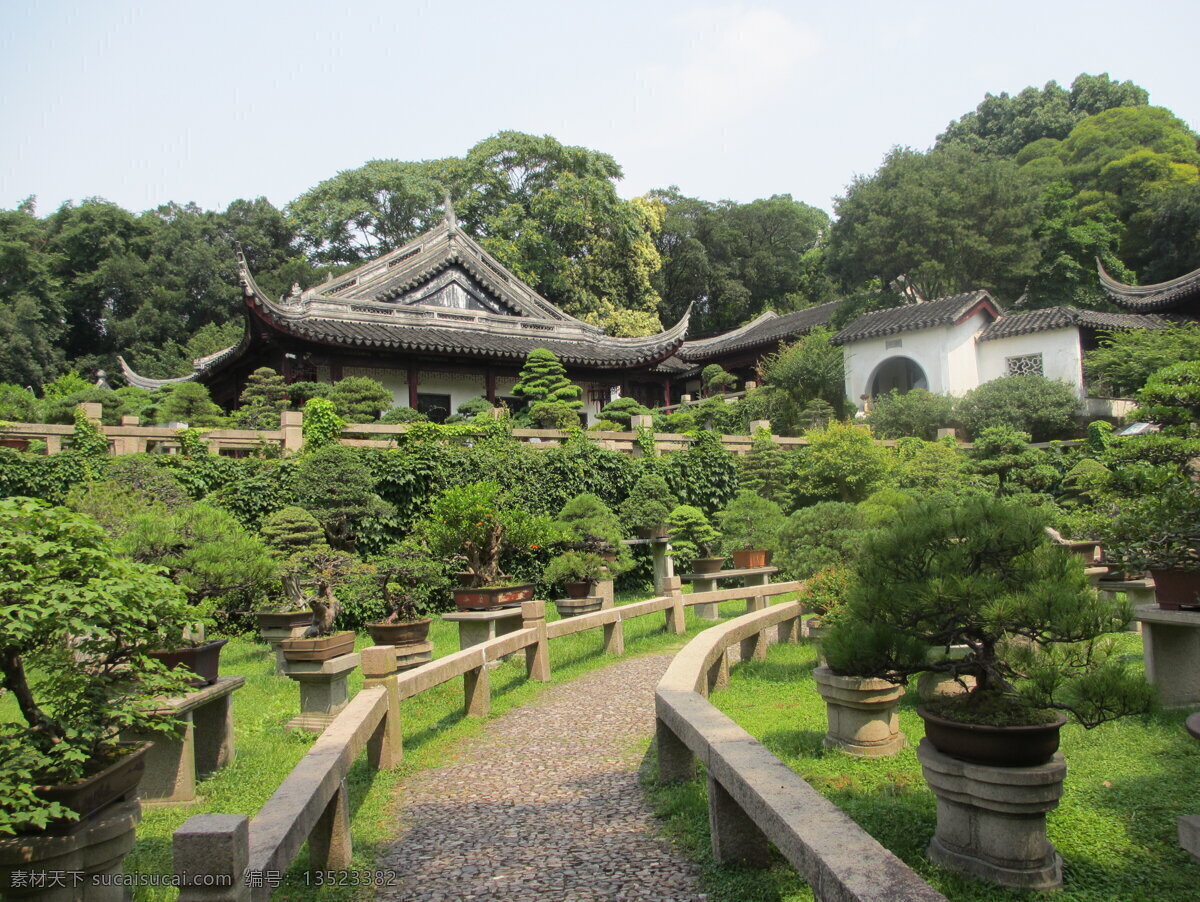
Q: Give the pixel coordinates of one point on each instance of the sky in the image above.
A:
(145, 102)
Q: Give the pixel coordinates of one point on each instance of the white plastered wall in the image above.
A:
(1062, 358)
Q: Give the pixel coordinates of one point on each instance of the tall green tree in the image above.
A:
(31, 308)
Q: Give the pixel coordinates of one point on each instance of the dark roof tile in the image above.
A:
(913, 317)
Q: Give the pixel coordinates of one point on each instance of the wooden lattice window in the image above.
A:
(1025, 365)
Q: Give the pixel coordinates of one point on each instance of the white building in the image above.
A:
(954, 344)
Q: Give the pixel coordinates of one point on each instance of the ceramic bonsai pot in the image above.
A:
(707, 564)
(652, 532)
(749, 558)
(578, 588)
(322, 648)
(1026, 746)
(489, 598)
(1177, 590)
(399, 634)
(573, 607)
(88, 795)
(202, 660)
(283, 620)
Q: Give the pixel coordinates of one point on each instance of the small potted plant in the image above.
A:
(406, 578)
(577, 572)
(324, 570)
(750, 525)
(649, 504)
(478, 523)
(77, 623)
(287, 531)
(694, 541)
(1159, 531)
(825, 596)
(587, 524)
(1006, 607)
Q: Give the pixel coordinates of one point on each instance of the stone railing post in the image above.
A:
(676, 763)
(477, 690)
(735, 836)
(53, 443)
(718, 674)
(673, 589)
(537, 656)
(614, 638)
(290, 423)
(329, 845)
(210, 854)
(664, 564)
(93, 410)
(754, 648)
(756, 425)
(385, 748)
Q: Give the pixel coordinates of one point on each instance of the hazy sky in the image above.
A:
(145, 102)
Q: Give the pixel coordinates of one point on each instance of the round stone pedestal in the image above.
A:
(862, 714)
(84, 864)
(991, 821)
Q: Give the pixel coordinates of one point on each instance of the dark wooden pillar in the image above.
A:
(335, 371)
(491, 386)
(412, 387)
(666, 391)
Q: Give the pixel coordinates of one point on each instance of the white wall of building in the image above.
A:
(1062, 358)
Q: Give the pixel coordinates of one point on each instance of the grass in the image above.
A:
(433, 726)
(1127, 783)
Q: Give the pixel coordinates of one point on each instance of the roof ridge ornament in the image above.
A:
(451, 219)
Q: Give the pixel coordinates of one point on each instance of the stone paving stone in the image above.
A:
(545, 805)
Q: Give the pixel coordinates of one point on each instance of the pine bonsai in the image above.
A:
(692, 536)
(543, 383)
(649, 504)
(263, 399)
(984, 576)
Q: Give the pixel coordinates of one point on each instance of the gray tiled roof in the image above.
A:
(764, 329)
(913, 317)
(1149, 298)
(1066, 317)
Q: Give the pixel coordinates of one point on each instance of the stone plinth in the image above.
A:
(1171, 642)
(476, 627)
(323, 690)
(606, 590)
(413, 655)
(31, 867)
(199, 746)
(275, 636)
(991, 821)
(862, 714)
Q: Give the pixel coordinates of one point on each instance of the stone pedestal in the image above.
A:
(607, 592)
(1138, 593)
(991, 821)
(1171, 642)
(475, 627)
(201, 745)
(413, 655)
(274, 637)
(323, 690)
(74, 867)
(862, 714)
(701, 584)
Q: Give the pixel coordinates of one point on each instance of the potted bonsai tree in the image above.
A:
(587, 524)
(694, 541)
(1159, 531)
(750, 526)
(324, 570)
(984, 578)
(577, 572)
(406, 578)
(649, 504)
(479, 524)
(286, 532)
(77, 623)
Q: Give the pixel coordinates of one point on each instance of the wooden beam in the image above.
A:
(412, 386)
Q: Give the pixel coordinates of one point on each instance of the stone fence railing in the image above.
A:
(234, 859)
(753, 797)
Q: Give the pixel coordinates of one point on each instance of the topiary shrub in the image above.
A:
(692, 536)
(1171, 398)
(543, 381)
(622, 410)
(917, 413)
(359, 399)
(1042, 407)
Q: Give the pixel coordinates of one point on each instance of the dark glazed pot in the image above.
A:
(489, 598)
(399, 634)
(283, 620)
(323, 648)
(117, 780)
(577, 588)
(999, 746)
(708, 564)
(1177, 590)
(202, 660)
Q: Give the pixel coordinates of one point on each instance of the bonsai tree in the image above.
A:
(77, 621)
(649, 504)
(1160, 529)
(985, 576)
(263, 399)
(479, 524)
(825, 593)
(588, 524)
(407, 578)
(622, 411)
(286, 532)
(750, 521)
(717, 380)
(554, 400)
(324, 570)
(692, 536)
(575, 567)
(335, 486)
(1171, 398)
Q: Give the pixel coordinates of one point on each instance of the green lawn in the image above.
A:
(1127, 783)
(433, 725)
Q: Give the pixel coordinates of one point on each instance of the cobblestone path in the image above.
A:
(545, 804)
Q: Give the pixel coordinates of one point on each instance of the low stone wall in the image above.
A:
(754, 798)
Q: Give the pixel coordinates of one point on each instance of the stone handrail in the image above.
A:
(242, 856)
(753, 797)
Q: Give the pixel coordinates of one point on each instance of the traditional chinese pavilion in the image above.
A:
(437, 321)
